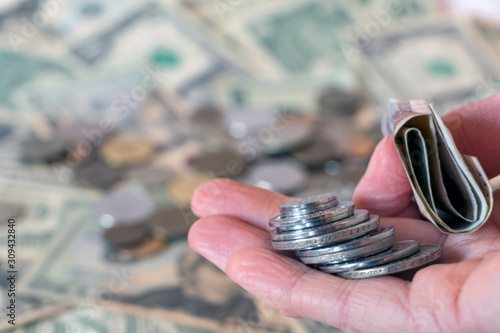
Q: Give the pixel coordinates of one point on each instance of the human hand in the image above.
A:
(460, 293)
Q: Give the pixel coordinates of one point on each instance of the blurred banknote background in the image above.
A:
(113, 112)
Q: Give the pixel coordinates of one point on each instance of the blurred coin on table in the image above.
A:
(43, 150)
(172, 223)
(317, 153)
(242, 122)
(224, 163)
(293, 133)
(97, 173)
(182, 187)
(334, 101)
(149, 246)
(127, 150)
(127, 235)
(125, 208)
(283, 175)
(150, 175)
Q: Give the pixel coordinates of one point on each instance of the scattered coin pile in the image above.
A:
(336, 238)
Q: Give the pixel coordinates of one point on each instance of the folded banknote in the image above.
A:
(451, 189)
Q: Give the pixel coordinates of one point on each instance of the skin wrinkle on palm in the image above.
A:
(456, 294)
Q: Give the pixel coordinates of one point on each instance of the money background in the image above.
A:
(104, 102)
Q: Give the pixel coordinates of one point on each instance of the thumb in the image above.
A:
(384, 188)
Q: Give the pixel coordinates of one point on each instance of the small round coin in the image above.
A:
(348, 255)
(427, 254)
(172, 223)
(96, 173)
(329, 238)
(226, 161)
(396, 251)
(374, 236)
(318, 152)
(149, 175)
(280, 175)
(123, 236)
(358, 217)
(125, 208)
(126, 150)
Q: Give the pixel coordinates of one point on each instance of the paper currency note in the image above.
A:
(150, 39)
(95, 318)
(451, 189)
(412, 62)
(292, 38)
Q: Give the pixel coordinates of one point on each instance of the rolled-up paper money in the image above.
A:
(451, 189)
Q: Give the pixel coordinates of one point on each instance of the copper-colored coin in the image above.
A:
(181, 189)
(127, 150)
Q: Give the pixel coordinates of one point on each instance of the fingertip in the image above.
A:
(208, 192)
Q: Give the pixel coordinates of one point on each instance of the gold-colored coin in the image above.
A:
(127, 150)
(181, 189)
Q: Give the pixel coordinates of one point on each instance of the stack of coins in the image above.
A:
(336, 238)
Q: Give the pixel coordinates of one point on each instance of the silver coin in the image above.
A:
(150, 175)
(427, 254)
(294, 135)
(377, 235)
(242, 122)
(122, 236)
(308, 211)
(309, 202)
(396, 251)
(352, 254)
(343, 210)
(358, 217)
(96, 173)
(279, 175)
(125, 208)
(329, 238)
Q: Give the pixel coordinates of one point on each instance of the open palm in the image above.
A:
(460, 293)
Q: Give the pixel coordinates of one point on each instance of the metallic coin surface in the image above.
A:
(125, 208)
(280, 175)
(126, 150)
(318, 152)
(295, 133)
(150, 175)
(329, 238)
(122, 236)
(340, 102)
(149, 247)
(353, 254)
(181, 188)
(243, 122)
(35, 149)
(358, 217)
(342, 210)
(97, 173)
(427, 254)
(396, 251)
(374, 236)
(228, 162)
(172, 223)
(308, 211)
(309, 202)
